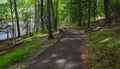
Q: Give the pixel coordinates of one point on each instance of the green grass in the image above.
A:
(24, 51)
(73, 26)
(106, 47)
(42, 32)
(19, 54)
(29, 39)
(46, 31)
(35, 36)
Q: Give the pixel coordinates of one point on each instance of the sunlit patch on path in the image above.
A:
(65, 54)
(64, 39)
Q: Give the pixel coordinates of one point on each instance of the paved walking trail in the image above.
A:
(64, 54)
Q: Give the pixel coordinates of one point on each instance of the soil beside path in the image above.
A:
(64, 54)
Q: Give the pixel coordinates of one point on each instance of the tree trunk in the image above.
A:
(36, 18)
(13, 30)
(42, 16)
(17, 18)
(94, 9)
(53, 14)
(56, 18)
(50, 35)
(107, 11)
(89, 12)
(70, 12)
(79, 13)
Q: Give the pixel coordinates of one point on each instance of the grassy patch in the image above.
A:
(73, 26)
(23, 52)
(29, 39)
(46, 31)
(106, 47)
(19, 54)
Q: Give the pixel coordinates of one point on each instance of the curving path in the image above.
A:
(65, 54)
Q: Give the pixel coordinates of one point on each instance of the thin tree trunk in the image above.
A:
(42, 16)
(50, 35)
(95, 5)
(70, 12)
(17, 18)
(89, 12)
(94, 11)
(36, 18)
(56, 18)
(53, 14)
(107, 11)
(79, 13)
(13, 30)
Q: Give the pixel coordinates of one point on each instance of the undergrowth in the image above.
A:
(19, 54)
(106, 47)
(23, 52)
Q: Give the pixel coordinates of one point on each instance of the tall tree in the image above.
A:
(54, 7)
(50, 34)
(79, 12)
(53, 14)
(17, 18)
(57, 12)
(13, 30)
(107, 11)
(42, 16)
(89, 12)
(36, 17)
(94, 9)
(71, 5)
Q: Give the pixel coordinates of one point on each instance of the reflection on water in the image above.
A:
(3, 35)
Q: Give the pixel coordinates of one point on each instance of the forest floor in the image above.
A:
(18, 56)
(66, 53)
(104, 45)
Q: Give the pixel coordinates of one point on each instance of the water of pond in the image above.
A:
(3, 35)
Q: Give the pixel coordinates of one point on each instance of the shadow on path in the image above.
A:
(65, 54)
